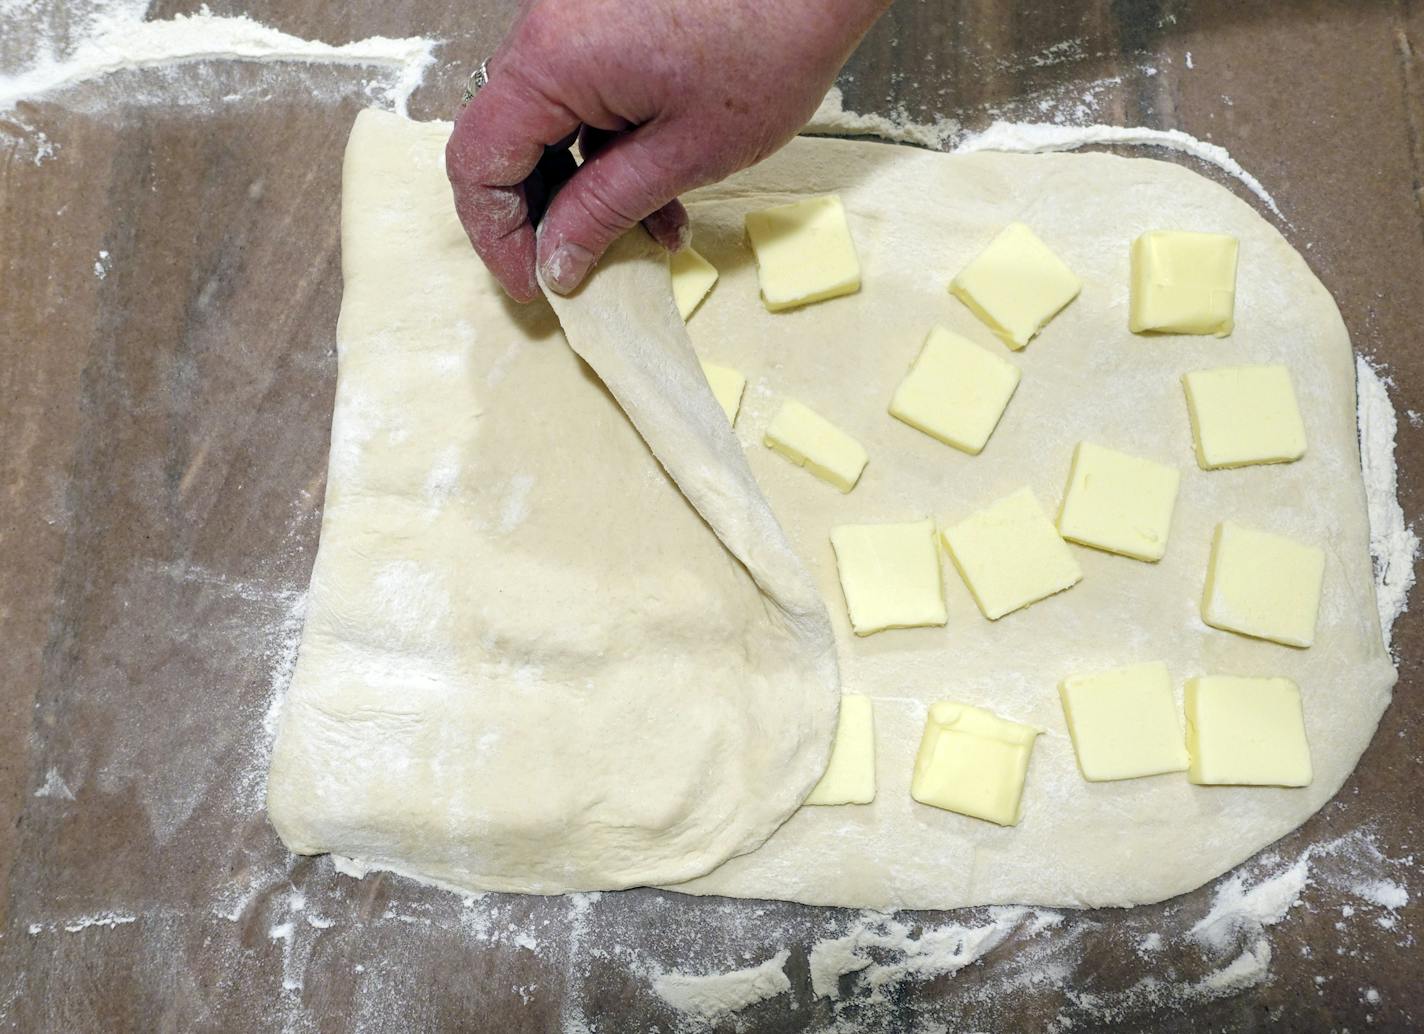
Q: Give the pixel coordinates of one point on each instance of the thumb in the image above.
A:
(625, 182)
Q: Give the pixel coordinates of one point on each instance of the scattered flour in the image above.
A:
(832, 119)
(714, 995)
(1238, 910)
(1392, 541)
(119, 40)
(901, 954)
(1039, 137)
(102, 920)
(1385, 893)
(54, 786)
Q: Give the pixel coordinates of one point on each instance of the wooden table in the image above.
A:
(169, 284)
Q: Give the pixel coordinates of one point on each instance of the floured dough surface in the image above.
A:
(527, 663)
(916, 218)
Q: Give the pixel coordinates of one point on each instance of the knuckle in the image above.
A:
(608, 214)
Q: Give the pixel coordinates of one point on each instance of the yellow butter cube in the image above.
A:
(1118, 503)
(1010, 555)
(1243, 415)
(973, 762)
(804, 252)
(1246, 732)
(1016, 285)
(809, 440)
(1183, 283)
(1263, 585)
(727, 386)
(890, 575)
(955, 391)
(692, 277)
(1124, 722)
(850, 775)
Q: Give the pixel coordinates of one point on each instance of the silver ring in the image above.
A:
(477, 81)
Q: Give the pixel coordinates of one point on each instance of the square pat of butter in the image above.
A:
(809, 440)
(850, 775)
(1246, 732)
(1124, 722)
(955, 391)
(727, 386)
(1243, 415)
(972, 762)
(1016, 285)
(1263, 585)
(890, 575)
(1183, 283)
(804, 252)
(1011, 555)
(692, 277)
(1118, 502)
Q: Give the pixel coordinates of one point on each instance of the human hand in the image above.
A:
(663, 97)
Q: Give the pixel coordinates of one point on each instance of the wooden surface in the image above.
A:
(163, 434)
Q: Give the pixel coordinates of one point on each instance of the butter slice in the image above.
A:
(804, 252)
(1263, 585)
(890, 575)
(809, 440)
(850, 775)
(1119, 503)
(973, 762)
(1246, 732)
(955, 391)
(1011, 555)
(1243, 415)
(1016, 285)
(727, 386)
(692, 277)
(1124, 722)
(1183, 283)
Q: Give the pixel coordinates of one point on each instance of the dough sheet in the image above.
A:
(558, 579)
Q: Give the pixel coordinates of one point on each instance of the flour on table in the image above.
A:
(1043, 137)
(1392, 540)
(116, 37)
(903, 953)
(833, 119)
(716, 994)
(55, 786)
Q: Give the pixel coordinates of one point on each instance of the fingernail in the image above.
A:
(565, 269)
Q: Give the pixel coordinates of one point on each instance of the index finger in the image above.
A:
(496, 144)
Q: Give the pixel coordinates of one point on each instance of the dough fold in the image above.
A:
(528, 662)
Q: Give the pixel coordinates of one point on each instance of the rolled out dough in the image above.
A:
(377, 752)
(527, 663)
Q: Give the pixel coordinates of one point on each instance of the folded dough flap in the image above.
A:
(528, 662)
